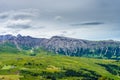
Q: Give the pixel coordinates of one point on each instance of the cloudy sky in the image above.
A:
(83, 19)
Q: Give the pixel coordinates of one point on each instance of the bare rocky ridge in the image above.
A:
(64, 45)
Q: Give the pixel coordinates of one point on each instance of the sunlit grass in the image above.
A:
(52, 63)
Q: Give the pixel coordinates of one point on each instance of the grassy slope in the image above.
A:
(51, 63)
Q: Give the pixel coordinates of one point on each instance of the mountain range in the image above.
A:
(64, 45)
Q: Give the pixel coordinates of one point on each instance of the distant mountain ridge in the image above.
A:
(65, 45)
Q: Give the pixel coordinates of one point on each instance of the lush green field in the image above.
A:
(45, 66)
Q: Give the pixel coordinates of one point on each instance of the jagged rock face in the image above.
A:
(6, 38)
(26, 42)
(64, 45)
(70, 46)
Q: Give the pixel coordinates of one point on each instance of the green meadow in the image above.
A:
(49, 66)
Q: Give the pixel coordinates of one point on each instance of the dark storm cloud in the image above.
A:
(92, 23)
(88, 23)
(4, 15)
(19, 26)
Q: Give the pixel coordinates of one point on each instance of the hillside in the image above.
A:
(47, 66)
(25, 59)
(66, 46)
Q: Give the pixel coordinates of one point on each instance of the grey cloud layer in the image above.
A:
(74, 18)
(22, 16)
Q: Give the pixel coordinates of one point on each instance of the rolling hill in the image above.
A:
(48, 66)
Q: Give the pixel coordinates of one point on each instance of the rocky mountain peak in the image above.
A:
(64, 45)
(19, 35)
(58, 37)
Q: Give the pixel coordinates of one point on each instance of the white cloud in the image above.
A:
(58, 18)
(14, 21)
(19, 21)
